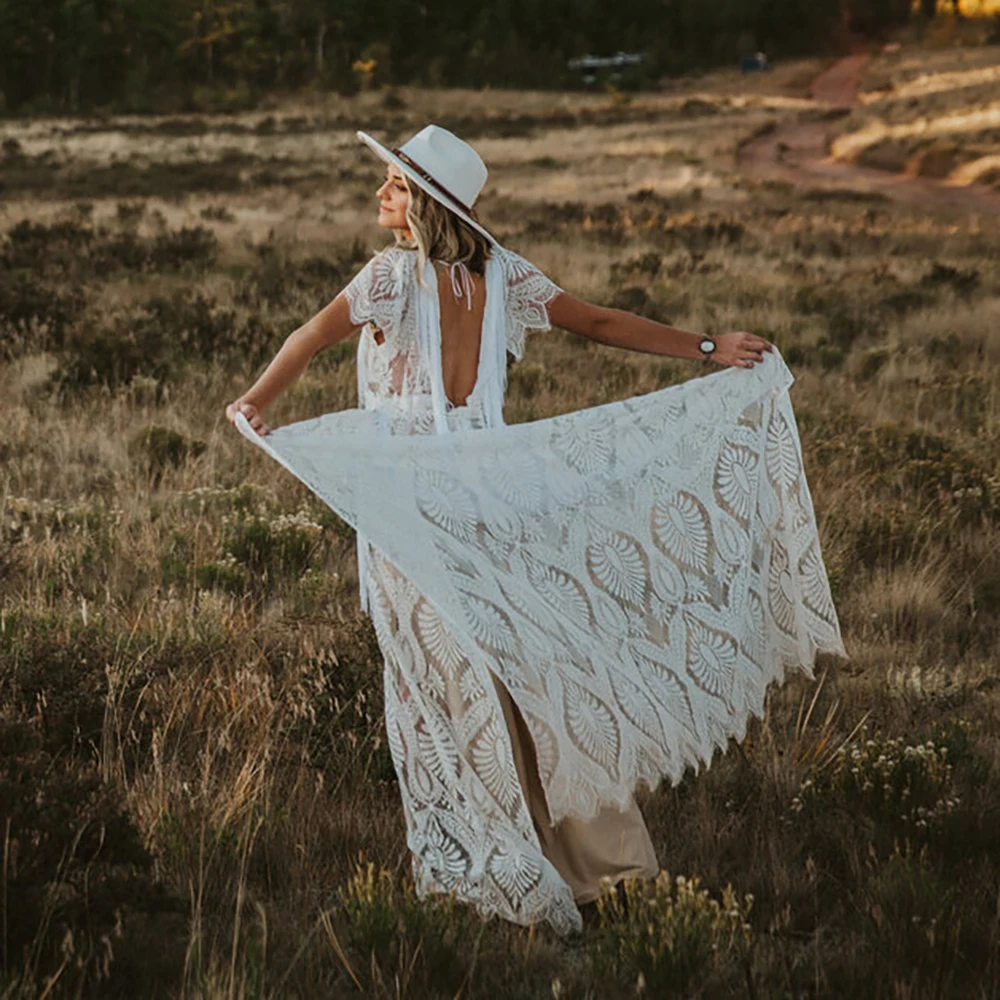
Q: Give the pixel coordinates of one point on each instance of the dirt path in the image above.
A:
(796, 152)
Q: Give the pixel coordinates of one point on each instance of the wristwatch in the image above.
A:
(707, 347)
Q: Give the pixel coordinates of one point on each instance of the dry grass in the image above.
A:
(928, 113)
(194, 762)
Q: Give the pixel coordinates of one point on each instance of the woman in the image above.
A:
(566, 608)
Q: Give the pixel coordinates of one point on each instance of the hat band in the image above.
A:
(413, 165)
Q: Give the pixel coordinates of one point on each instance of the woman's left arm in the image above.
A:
(618, 328)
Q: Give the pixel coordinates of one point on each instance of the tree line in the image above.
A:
(153, 54)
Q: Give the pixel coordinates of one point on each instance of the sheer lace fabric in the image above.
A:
(635, 574)
(396, 375)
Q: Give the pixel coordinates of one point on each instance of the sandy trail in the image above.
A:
(796, 152)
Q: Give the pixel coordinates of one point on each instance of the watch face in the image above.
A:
(707, 346)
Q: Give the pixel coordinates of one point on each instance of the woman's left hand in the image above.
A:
(740, 350)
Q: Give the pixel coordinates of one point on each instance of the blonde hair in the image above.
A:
(439, 234)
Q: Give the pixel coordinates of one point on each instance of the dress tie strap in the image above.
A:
(461, 282)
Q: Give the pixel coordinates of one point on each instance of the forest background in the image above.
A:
(158, 55)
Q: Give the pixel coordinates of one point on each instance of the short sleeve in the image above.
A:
(377, 293)
(528, 293)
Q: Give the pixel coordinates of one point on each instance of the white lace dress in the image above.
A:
(634, 574)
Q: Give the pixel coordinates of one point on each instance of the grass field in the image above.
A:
(195, 792)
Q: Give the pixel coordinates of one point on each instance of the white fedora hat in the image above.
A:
(444, 166)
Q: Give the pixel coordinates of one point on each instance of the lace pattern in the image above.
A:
(636, 574)
(528, 293)
(382, 298)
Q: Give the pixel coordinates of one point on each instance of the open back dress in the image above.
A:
(566, 608)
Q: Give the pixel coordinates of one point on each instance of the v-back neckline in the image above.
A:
(487, 389)
(447, 282)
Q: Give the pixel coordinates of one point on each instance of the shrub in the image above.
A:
(947, 348)
(43, 248)
(28, 519)
(276, 279)
(78, 248)
(700, 235)
(631, 298)
(889, 536)
(189, 245)
(647, 263)
(81, 878)
(986, 593)
(79, 883)
(872, 362)
(35, 316)
(914, 925)
(527, 379)
(907, 300)
(424, 946)
(272, 546)
(223, 575)
(919, 463)
(846, 325)
(155, 341)
(112, 357)
(193, 325)
(129, 213)
(670, 933)
(961, 282)
(830, 358)
(156, 448)
(214, 499)
(217, 213)
(903, 788)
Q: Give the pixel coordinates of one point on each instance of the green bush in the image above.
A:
(35, 316)
(961, 282)
(156, 449)
(73, 247)
(669, 934)
(276, 278)
(43, 248)
(903, 788)
(81, 876)
(157, 341)
(79, 887)
(425, 947)
(915, 923)
(872, 362)
(223, 575)
(273, 546)
(172, 250)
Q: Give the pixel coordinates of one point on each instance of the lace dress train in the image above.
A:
(566, 608)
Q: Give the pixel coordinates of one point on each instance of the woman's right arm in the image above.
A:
(329, 326)
(618, 328)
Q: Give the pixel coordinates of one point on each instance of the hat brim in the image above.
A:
(390, 157)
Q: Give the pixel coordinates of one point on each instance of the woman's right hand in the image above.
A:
(251, 413)
(740, 350)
